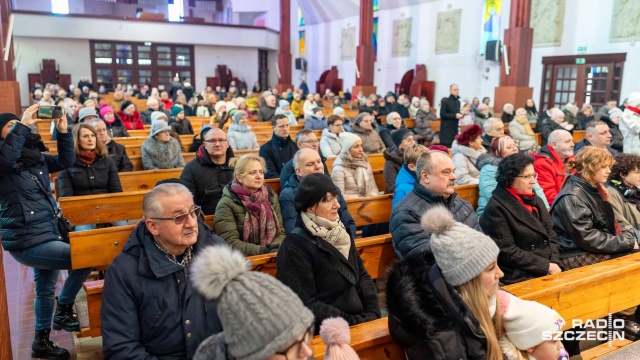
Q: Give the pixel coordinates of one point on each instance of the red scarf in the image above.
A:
(87, 157)
(516, 195)
(634, 109)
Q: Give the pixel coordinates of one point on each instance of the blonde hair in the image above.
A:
(475, 297)
(413, 152)
(589, 161)
(241, 166)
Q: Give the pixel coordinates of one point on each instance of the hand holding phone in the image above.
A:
(49, 112)
(29, 116)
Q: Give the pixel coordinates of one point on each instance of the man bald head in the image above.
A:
(561, 141)
(307, 161)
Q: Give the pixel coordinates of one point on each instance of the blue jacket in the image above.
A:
(488, 165)
(404, 184)
(27, 216)
(407, 235)
(289, 170)
(314, 123)
(152, 311)
(289, 213)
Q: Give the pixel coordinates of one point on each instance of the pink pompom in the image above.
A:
(335, 331)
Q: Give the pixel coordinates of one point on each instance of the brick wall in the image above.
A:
(10, 97)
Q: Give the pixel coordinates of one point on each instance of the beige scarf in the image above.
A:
(525, 122)
(332, 232)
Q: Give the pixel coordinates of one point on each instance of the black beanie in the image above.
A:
(125, 104)
(311, 190)
(398, 135)
(6, 117)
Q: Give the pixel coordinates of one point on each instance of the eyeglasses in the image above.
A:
(308, 336)
(310, 141)
(533, 177)
(180, 219)
(337, 125)
(215, 141)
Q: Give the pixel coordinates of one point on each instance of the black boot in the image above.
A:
(65, 318)
(44, 348)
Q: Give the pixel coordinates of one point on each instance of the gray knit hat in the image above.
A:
(461, 252)
(238, 115)
(157, 127)
(259, 314)
(158, 115)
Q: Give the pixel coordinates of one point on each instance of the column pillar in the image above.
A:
(284, 53)
(365, 53)
(518, 38)
(9, 87)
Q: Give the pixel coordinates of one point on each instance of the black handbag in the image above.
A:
(64, 225)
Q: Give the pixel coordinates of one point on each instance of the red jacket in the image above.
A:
(551, 172)
(131, 122)
(167, 104)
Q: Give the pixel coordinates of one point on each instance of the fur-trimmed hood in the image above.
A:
(488, 158)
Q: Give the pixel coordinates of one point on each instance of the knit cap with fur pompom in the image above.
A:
(248, 302)
(461, 252)
(336, 336)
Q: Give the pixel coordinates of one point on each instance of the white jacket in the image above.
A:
(329, 144)
(242, 138)
(630, 129)
(465, 158)
(308, 108)
(519, 133)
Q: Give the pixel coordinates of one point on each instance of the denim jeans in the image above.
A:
(47, 259)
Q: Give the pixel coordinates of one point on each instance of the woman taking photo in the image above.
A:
(518, 221)
(583, 218)
(319, 260)
(29, 217)
(352, 172)
(94, 171)
(160, 150)
(248, 215)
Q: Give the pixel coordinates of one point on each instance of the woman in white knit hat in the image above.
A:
(352, 172)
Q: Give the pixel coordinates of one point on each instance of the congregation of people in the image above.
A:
(180, 289)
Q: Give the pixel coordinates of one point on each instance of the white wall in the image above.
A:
(271, 8)
(243, 62)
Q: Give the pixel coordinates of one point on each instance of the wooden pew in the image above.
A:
(376, 161)
(579, 135)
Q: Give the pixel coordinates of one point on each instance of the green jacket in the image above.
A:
(229, 222)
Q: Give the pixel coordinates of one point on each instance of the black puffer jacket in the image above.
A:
(276, 153)
(206, 180)
(385, 134)
(393, 161)
(427, 316)
(27, 215)
(117, 129)
(584, 222)
(101, 177)
(118, 153)
(407, 233)
(547, 128)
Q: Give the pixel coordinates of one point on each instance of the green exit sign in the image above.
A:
(582, 49)
(580, 61)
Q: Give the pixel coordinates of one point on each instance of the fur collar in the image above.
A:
(468, 152)
(488, 158)
(510, 351)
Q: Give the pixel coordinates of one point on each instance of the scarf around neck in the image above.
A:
(632, 108)
(525, 122)
(361, 168)
(87, 157)
(332, 232)
(527, 200)
(261, 218)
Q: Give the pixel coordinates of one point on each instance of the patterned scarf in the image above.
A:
(332, 232)
(186, 257)
(261, 217)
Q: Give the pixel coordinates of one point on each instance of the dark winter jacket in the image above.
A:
(182, 127)
(385, 134)
(407, 234)
(206, 180)
(547, 128)
(616, 134)
(586, 142)
(423, 124)
(289, 213)
(584, 222)
(427, 316)
(486, 141)
(449, 126)
(276, 153)
(327, 283)
(101, 177)
(289, 170)
(152, 310)
(27, 215)
(393, 161)
(118, 153)
(266, 113)
(117, 129)
(527, 244)
(402, 110)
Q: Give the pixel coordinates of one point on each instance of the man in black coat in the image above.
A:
(150, 309)
(435, 187)
(207, 174)
(450, 115)
(305, 139)
(280, 149)
(117, 152)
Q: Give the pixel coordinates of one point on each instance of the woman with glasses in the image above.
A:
(371, 141)
(239, 135)
(248, 215)
(319, 260)
(518, 221)
(501, 147)
(160, 150)
(329, 142)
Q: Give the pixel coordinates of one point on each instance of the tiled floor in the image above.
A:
(20, 298)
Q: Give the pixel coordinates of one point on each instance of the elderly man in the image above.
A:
(597, 135)
(482, 114)
(492, 127)
(435, 172)
(149, 308)
(152, 105)
(87, 114)
(603, 113)
(280, 149)
(402, 106)
(305, 139)
(307, 161)
(550, 163)
(117, 152)
(555, 122)
(267, 111)
(209, 172)
(450, 115)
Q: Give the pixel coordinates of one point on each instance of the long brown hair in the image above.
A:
(100, 149)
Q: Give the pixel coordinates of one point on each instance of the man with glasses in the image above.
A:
(434, 187)
(149, 307)
(305, 139)
(280, 149)
(207, 174)
(117, 152)
(492, 127)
